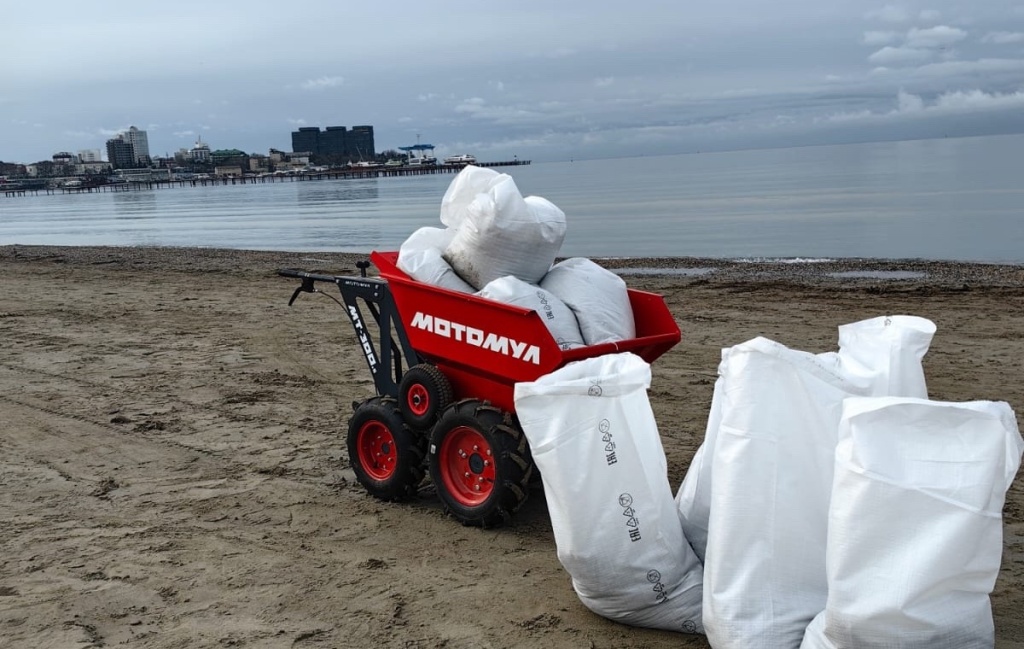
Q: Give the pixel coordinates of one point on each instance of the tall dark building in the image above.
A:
(336, 142)
(120, 153)
(307, 138)
(360, 143)
(333, 141)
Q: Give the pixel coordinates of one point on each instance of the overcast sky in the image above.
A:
(540, 80)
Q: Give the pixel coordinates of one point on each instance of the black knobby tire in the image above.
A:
(423, 394)
(480, 463)
(386, 455)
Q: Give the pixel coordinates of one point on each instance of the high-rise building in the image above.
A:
(333, 141)
(360, 143)
(119, 152)
(354, 143)
(307, 138)
(140, 145)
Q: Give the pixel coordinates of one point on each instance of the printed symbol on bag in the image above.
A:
(546, 307)
(689, 626)
(632, 522)
(654, 577)
(609, 446)
(595, 389)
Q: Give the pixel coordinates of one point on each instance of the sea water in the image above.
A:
(948, 199)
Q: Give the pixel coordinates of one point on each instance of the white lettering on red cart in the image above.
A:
(478, 338)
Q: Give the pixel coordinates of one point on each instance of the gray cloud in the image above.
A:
(537, 79)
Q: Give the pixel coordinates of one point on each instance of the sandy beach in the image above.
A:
(173, 470)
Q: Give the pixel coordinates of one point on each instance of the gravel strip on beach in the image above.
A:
(837, 273)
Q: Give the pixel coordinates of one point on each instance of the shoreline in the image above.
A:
(839, 273)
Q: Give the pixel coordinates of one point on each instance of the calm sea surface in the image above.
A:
(950, 199)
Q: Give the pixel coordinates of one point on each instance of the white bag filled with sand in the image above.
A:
(764, 564)
(598, 297)
(915, 524)
(462, 191)
(501, 233)
(594, 439)
(884, 355)
(557, 317)
(420, 258)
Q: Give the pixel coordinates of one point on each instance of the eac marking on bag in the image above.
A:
(626, 502)
(609, 446)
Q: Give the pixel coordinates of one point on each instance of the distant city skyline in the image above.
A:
(531, 79)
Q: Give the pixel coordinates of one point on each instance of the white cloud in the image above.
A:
(908, 103)
(973, 100)
(604, 82)
(876, 38)
(958, 102)
(296, 121)
(889, 55)
(938, 36)
(929, 15)
(849, 117)
(1003, 38)
(979, 67)
(471, 105)
(322, 83)
(889, 14)
(181, 134)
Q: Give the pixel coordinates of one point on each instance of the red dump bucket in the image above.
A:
(485, 347)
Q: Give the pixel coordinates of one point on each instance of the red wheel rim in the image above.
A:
(418, 399)
(467, 466)
(376, 450)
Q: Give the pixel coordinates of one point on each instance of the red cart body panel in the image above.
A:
(485, 347)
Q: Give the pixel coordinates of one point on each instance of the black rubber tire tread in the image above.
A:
(439, 393)
(411, 450)
(513, 463)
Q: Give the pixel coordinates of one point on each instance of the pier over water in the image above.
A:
(13, 189)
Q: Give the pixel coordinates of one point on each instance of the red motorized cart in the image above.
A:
(445, 365)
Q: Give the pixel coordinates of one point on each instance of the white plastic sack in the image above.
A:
(420, 257)
(888, 349)
(882, 355)
(557, 317)
(915, 524)
(469, 182)
(693, 499)
(594, 439)
(764, 565)
(505, 234)
(597, 296)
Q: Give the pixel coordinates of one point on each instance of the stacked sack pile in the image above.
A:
(500, 245)
(832, 504)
